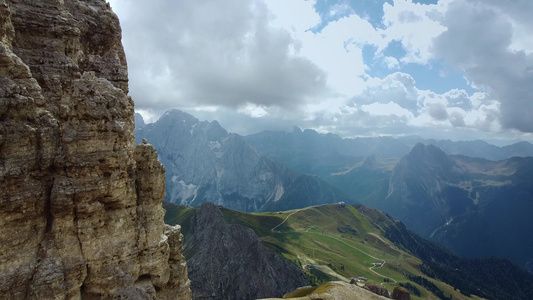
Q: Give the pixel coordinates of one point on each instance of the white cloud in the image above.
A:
(253, 110)
(337, 49)
(391, 62)
(479, 41)
(387, 109)
(397, 87)
(414, 25)
(219, 53)
(255, 64)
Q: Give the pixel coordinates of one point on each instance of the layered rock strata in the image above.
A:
(80, 205)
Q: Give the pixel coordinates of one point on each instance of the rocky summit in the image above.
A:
(80, 204)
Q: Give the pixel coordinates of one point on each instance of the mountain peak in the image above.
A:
(296, 129)
(421, 152)
(139, 121)
(215, 132)
(178, 115)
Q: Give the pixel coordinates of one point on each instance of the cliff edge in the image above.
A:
(80, 204)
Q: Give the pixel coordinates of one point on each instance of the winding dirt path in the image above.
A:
(286, 218)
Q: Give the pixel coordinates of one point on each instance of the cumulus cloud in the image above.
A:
(337, 49)
(391, 62)
(219, 53)
(480, 41)
(414, 25)
(397, 87)
(397, 97)
(272, 64)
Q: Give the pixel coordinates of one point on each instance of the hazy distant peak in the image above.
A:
(310, 132)
(139, 121)
(296, 129)
(215, 132)
(178, 115)
(426, 161)
(421, 151)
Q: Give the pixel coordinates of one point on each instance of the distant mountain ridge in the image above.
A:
(300, 148)
(206, 163)
(476, 207)
(337, 242)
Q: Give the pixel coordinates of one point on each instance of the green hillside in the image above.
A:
(334, 242)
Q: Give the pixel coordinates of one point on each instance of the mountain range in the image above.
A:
(338, 242)
(316, 153)
(228, 261)
(474, 206)
(204, 162)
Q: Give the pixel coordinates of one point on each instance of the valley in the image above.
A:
(333, 242)
(474, 206)
(97, 204)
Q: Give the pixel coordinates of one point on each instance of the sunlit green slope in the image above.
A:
(341, 242)
(331, 242)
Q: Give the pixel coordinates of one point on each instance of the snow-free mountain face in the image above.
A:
(206, 163)
(315, 153)
(474, 206)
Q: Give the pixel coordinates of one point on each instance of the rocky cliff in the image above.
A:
(229, 262)
(80, 205)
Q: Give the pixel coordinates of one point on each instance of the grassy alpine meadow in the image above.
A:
(332, 242)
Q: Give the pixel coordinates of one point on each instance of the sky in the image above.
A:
(446, 69)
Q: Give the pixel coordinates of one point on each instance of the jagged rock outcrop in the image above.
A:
(377, 289)
(139, 121)
(80, 205)
(399, 293)
(229, 262)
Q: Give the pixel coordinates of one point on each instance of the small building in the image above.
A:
(378, 265)
(359, 280)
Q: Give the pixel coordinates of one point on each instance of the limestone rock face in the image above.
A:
(80, 205)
